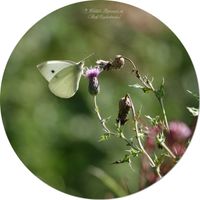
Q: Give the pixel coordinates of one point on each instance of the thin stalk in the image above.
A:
(164, 113)
(138, 135)
(106, 129)
(99, 116)
(158, 171)
(168, 150)
(149, 85)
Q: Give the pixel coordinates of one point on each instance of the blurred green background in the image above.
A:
(57, 139)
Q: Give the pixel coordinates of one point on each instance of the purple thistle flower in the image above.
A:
(92, 74)
(179, 131)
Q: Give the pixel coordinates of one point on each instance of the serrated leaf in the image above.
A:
(193, 111)
(146, 89)
(149, 117)
(138, 86)
(193, 94)
(125, 159)
(160, 92)
(104, 137)
(154, 120)
(135, 152)
(158, 160)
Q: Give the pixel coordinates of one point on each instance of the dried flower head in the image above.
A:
(124, 108)
(104, 64)
(118, 62)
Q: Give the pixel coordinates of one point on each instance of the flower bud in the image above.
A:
(118, 62)
(103, 64)
(124, 108)
(93, 86)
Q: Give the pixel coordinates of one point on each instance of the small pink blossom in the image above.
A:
(92, 72)
(179, 131)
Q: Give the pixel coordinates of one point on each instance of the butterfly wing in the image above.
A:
(63, 76)
(49, 69)
(66, 82)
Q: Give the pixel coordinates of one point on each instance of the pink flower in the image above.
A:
(151, 138)
(178, 149)
(92, 72)
(179, 131)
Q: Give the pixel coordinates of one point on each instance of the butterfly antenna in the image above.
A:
(87, 57)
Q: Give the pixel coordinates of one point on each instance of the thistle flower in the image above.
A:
(92, 74)
(179, 132)
(150, 143)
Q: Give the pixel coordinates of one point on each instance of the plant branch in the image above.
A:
(107, 130)
(102, 121)
(138, 136)
(148, 84)
(168, 150)
(164, 113)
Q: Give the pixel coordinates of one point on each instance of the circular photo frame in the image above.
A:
(97, 99)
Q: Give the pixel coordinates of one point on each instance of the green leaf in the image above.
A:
(125, 159)
(193, 111)
(158, 160)
(160, 138)
(193, 94)
(138, 86)
(108, 181)
(154, 120)
(104, 137)
(135, 152)
(160, 92)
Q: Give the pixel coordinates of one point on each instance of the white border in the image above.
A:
(16, 181)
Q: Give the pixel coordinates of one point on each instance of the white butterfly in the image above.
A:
(63, 76)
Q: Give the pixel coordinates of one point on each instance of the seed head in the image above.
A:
(124, 108)
(118, 62)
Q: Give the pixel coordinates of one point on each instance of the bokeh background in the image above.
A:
(57, 139)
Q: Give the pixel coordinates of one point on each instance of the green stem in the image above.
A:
(100, 118)
(168, 150)
(149, 85)
(158, 171)
(138, 135)
(164, 113)
(106, 129)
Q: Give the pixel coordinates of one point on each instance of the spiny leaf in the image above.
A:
(193, 94)
(193, 111)
(138, 86)
(135, 152)
(160, 92)
(158, 160)
(126, 158)
(154, 120)
(104, 137)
